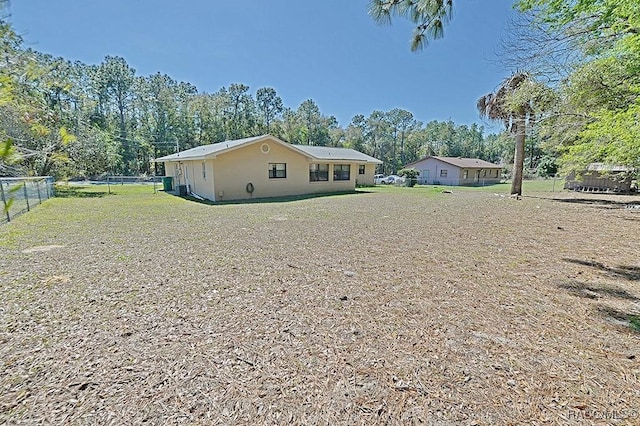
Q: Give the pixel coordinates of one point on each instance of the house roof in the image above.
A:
(602, 167)
(328, 153)
(323, 153)
(201, 152)
(463, 163)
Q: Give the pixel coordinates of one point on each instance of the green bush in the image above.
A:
(410, 175)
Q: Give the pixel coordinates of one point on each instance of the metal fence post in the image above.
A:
(26, 195)
(4, 201)
(38, 188)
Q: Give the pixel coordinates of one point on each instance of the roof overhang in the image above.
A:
(232, 146)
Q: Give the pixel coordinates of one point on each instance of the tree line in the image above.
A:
(71, 119)
(574, 98)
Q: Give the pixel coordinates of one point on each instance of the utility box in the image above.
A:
(167, 183)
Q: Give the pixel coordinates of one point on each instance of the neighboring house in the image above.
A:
(265, 166)
(600, 177)
(456, 171)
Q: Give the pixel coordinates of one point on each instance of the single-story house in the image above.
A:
(265, 166)
(600, 177)
(456, 171)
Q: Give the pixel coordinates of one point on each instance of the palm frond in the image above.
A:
(482, 106)
(519, 97)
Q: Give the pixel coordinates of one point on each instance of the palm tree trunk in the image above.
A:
(518, 159)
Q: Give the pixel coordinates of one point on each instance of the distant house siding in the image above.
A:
(480, 177)
(436, 172)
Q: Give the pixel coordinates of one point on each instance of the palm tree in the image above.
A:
(513, 104)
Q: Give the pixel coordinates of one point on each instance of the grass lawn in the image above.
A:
(529, 187)
(387, 306)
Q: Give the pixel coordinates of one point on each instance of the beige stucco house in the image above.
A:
(456, 171)
(265, 166)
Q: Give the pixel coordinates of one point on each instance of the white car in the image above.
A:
(377, 179)
(391, 179)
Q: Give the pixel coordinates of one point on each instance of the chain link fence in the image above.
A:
(139, 180)
(19, 195)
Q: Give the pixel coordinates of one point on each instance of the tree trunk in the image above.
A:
(518, 160)
(46, 167)
(402, 149)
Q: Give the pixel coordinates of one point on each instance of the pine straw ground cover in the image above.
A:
(395, 306)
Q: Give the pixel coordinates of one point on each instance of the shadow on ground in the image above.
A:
(624, 318)
(630, 273)
(78, 192)
(627, 317)
(274, 199)
(603, 203)
(595, 292)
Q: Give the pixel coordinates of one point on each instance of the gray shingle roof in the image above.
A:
(323, 153)
(203, 151)
(463, 163)
(469, 163)
(602, 167)
(336, 154)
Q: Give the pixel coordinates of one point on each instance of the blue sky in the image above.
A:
(328, 50)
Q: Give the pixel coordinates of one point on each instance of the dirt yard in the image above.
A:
(394, 307)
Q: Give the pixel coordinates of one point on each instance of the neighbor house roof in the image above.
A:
(463, 163)
(320, 153)
(602, 167)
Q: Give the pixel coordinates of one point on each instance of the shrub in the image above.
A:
(410, 175)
